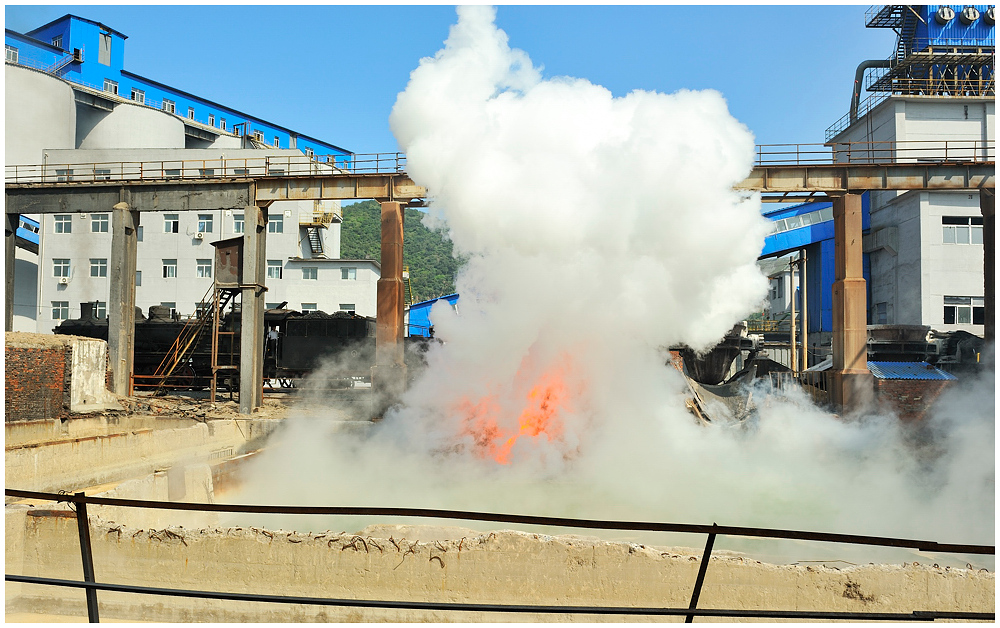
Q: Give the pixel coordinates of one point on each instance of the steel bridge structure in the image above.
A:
(837, 172)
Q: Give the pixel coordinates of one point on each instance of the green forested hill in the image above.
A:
(426, 252)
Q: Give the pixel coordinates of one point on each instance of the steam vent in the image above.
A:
(549, 351)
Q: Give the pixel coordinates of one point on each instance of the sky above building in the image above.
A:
(333, 72)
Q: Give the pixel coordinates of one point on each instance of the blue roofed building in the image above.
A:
(418, 319)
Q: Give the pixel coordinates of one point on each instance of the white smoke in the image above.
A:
(599, 231)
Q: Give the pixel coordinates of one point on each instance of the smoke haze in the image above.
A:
(599, 231)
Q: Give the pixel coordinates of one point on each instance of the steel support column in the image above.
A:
(389, 373)
(252, 309)
(852, 384)
(987, 202)
(121, 299)
(10, 240)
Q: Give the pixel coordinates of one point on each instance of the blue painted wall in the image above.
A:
(35, 50)
(420, 315)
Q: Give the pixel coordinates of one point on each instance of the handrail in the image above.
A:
(91, 586)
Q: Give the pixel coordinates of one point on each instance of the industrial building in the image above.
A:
(70, 101)
(933, 101)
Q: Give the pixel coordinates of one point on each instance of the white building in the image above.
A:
(55, 119)
(926, 247)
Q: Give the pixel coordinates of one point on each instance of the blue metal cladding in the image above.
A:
(35, 50)
(930, 33)
(908, 370)
(420, 315)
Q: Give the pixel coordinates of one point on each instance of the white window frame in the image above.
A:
(100, 223)
(138, 96)
(169, 106)
(309, 307)
(349, 273)
(222, 124)
(274, 269)
(138, 278)
(60, 310)
(98, 267)
(11, 53)
(102, 174)
(211, 120)
(203, 268)
(63, 223)
(205, 223)
(169, 268)
(190, 113)
(348, 307)
(62, 267)
(110, 86)
(276, 224)
(101, 309)
(277, 141)
(238, 223)
(57, 42)
(310, 273)
(171, 223)
(962, 307)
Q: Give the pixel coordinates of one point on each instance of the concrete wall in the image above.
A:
(128, 126)
(39, 113)
(123, 451)
(503, 567)
(36, 377)
(26, 310)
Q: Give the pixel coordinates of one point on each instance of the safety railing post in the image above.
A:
(83, 526)
(700, 580)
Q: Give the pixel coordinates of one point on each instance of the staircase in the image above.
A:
(188, 339)
(315, 241)
(407, 287)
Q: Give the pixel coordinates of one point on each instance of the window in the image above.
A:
(60, 267)
(138, 233)
(172, 173)
(98, 267)
(98, 223)
(274, 269)
(964, 311)
(169, 268)
(139, 96)
(881, 313)
(11, 54)
(101, 309)
(138, 278)
(237, 223)
(102, 174)
(104, 52)
(204, 268)
(309, 153)
(271, 306)
(169, 106)
(237, 130)
(190, 113)
(211, 119)
(222, 124)
(257, 135)
(22, 224)
(777, 288)
(277, 141)
(206, 172)
(241, 172)
(275, 172)
(205, 223)
(309, 272)
(57, 41)
(348, 307)
(308, 307)
(60, 310)
(275, 224)
(171, 223)
(962, 229)
(64, 174)
(172, 305)
(64, 223)
(111, 86)
(349, 273)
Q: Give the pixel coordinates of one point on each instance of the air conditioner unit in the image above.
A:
(64, 280)
(199, 236)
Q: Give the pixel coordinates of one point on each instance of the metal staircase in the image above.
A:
(188, 339)
(315, 241)
(407, 287)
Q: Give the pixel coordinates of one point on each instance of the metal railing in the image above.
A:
(91, 586)
(814, 383)
(930, 152)
(206, 169)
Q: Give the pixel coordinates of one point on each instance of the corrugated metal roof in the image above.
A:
(907, 370)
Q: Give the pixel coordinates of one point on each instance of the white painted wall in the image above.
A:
(39, 113)
(128, 126)
(26, 311)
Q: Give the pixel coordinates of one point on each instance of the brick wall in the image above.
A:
(37, 380)
(911, 398)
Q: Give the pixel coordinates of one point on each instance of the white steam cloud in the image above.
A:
(599, 231)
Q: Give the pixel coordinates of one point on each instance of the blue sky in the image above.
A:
(333, 72)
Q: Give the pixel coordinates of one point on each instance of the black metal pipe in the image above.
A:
(507, 608)
(854, 539)
(700, 580)
(83, 527)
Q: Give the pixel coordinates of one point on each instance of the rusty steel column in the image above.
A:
(10, 241)
(389, 372)
(252, 309)
(851, 382)
(121, 296)
(987, 202)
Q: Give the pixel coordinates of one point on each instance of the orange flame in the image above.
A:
(541, 416)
